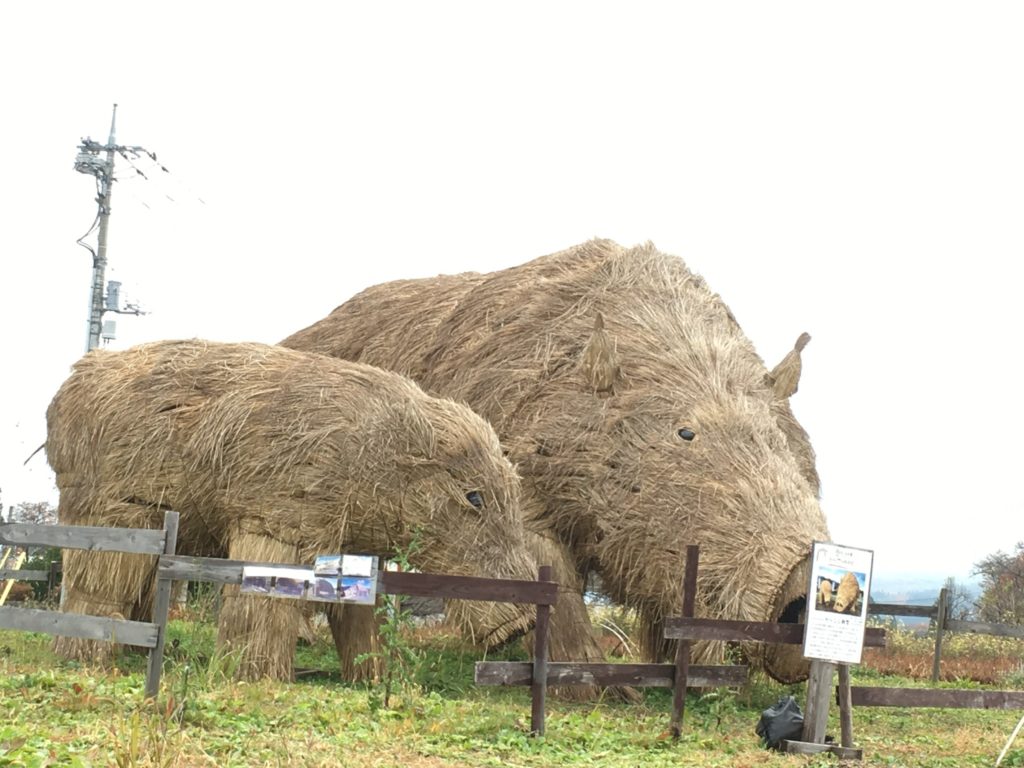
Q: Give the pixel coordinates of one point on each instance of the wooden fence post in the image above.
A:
(845, 707)
(683, 647)
(940, 626)
(161, 605)
(819, 691)
(539, 689)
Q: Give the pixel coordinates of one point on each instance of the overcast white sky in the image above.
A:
(855, 171)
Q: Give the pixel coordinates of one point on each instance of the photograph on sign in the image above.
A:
(325, 589)
(345, 579)
(358, 565)
(333, 579)
(359, 590)
(276, 582)
(327, 565)
(838, 602)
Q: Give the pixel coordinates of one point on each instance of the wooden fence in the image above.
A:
(678, 676)
(19, 574)
(543, 593)
(99, 539)
(170, 567)
(939, 613)
(540, 673)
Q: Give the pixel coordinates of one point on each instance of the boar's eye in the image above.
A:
(687, 434)
(474, 498)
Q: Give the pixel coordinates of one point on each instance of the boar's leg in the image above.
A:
(262, 631)
(654, 648)
(354, 629)
(101, 584)
(110, 584)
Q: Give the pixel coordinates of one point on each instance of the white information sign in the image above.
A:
(837, 604)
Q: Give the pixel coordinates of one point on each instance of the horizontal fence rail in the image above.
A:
(677, 628)
(469, 588)
(182, 568)
(640, 675)
(99, 539)
(958, 698)
(18, 575)
(896, 609)
(78, 625)
(984, 628)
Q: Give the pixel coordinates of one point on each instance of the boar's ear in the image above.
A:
(599, 365)
(785, 377)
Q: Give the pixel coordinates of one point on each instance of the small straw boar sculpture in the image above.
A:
(640, 418)
(847, 594)
(273, 455)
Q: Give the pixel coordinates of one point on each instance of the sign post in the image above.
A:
(837, 611)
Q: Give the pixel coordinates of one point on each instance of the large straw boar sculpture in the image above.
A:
(639, 416)
(273, 455)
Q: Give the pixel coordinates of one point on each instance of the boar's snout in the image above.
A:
(479, 532)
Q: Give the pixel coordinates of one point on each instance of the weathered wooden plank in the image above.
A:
(895, 609)
(212, 569)
(93, 538)
(807, 748)
(181, 568)
(161, 605)
(582, 673)
(955, 698)
(680, 628)
(874, 637)
(681, 675)
(469, 588)
(78, 625)
(940, 626)
(845, 707)
(539, 683)
(984, 628)
(19, 575)
(819, 689)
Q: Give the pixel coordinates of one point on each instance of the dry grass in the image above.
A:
(965, 657)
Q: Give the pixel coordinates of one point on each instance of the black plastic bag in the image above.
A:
(783, 721)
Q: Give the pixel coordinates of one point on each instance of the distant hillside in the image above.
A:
(915, 589)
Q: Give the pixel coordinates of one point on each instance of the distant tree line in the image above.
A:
(1002, 586)
(38, 512)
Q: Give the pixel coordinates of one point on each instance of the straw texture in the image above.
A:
(638, 413)
(276, 455)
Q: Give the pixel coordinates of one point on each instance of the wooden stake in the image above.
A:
(539, 689)
(845, 707)
(683, 648)
(161, 605)
(940, 626)
(819, 691)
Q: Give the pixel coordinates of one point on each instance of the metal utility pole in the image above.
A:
(90, 162)
(105, 184)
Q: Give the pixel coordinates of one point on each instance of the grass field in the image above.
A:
(57, 713)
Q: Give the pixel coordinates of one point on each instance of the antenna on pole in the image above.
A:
(90, 162)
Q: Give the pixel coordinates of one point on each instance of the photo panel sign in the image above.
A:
(332, 579)
(837, 603)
